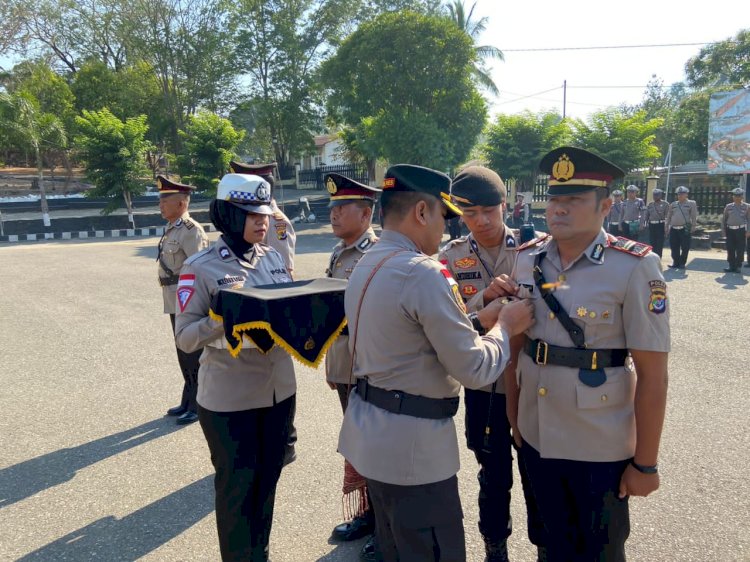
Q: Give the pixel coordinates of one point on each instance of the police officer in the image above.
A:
(614, 217)
(413, 346)
(351, 206)
(182, 238)
(682, 218)
(479, 263)
(580, 399)
(655, 217)
(734, 222)
(245, 404)
(633, 209)
(281, 236)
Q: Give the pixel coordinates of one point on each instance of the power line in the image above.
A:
(523, 97)
(602, 47)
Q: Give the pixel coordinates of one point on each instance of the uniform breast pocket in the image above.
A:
(527, 290)
(593, 313)
(608, 395)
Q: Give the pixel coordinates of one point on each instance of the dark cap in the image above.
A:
(477, 185)
(252, 169)
(345, 190)
(575, 170)
(168, 187)
(407, 177)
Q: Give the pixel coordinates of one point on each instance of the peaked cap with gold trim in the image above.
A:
(344, 190)
(168, 187)
(263, 170)
(575, 170)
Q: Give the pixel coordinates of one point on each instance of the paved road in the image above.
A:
(91, 470)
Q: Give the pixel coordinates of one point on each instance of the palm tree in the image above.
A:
(23, 124)
(474, 29)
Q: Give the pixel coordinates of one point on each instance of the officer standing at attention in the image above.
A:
(477, 262)
(281, 236)
(413, 347)
(182, 238)
(351, 208)
(655, 217)
(587, 406)
(682, 218)
(633, 209)
(615, 214)
(735, 222)
(246, 404)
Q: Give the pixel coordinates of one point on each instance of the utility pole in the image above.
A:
(565, 95)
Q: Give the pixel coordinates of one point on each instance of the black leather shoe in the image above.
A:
(352, 530)
(187, 417)
(370, 551)
(177, 410)
(541, 554)
(673, 266)
(496, 551)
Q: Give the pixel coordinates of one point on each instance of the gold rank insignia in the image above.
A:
(592, 314)
(606, 314)
(310, 343)
(563, 169)
(581, 312)
(331, 186)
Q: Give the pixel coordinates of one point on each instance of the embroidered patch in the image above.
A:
(280, 230)
(467, 275)
(454, 288)
(178, 222)
(596, 253)
(469, 290)
(184, 294)
(510, 241)
(658, 299)
(189, 224)
(366, 243)
(186, 280)
(231, 280)
(628, 246)
(224, 253)
(465, 263)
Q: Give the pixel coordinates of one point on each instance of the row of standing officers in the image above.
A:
(560, 343)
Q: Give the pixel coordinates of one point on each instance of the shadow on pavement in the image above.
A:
(30, 477)
(136, 534)
(345, 551)
(731, 281)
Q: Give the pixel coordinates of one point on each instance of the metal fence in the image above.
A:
(313, 179)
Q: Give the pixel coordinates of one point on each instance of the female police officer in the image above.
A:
(245, 404)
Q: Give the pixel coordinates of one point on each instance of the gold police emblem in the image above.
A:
(331, 186)
(309, 344)
(563, 169)
(158, 183)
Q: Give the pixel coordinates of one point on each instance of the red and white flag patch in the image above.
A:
(185, 290)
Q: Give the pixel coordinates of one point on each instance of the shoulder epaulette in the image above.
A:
(628, 246)
(279, 216)
(188, 224)
(535, 242)
(455, 242)
(198, 256)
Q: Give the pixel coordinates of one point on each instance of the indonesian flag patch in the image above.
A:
(454, 287)
(185, 290)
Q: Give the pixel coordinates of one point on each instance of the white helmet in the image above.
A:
(633, 188)
(682, 189)
(249, 193)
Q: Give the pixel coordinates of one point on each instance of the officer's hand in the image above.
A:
(516, 317)
(501, 286)
(635, 483)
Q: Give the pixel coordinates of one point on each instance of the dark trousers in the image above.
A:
(614, 230)
(584, 519)
(189, 365)
(748, 250)
(419, 523)
(629, 230)
(735, 247)
(656, 237)
(247, 451)
(679, 244)
(493, 452)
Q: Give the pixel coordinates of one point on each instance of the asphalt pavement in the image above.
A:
(91, 469)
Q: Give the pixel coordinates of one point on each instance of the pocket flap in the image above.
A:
(604, 396)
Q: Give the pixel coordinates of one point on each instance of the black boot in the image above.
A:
(497, 551)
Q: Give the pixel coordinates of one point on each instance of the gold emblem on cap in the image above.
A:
(331, 186)
(309, 344)
(581, 312)
(158, 183)
(563, 169)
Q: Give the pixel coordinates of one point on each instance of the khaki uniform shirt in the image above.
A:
(281, 236)
(680, 214)
(343, 260)
(471, 271)
(615, 213)
(655, 212)
(620, 301)
(253, 379)
(736, 215)
(182, 238)
(414, 336)
(632, 211)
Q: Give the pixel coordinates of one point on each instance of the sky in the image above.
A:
(603, 77)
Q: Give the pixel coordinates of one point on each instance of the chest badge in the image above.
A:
(469, 290)
(465, 263)
(581, 312)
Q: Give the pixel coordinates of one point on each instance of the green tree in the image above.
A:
(474, 28)
(24, 126)
(516, 143)
(626, 140)
(114, 154)
(726, 63)
(208, 145)
(409, 98)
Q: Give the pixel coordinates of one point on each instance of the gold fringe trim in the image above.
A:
(215, 317)
(238, 332)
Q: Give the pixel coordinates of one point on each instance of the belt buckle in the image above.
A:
(541, 345)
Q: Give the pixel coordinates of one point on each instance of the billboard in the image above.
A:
(729, 133)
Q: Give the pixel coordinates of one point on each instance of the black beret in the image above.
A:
(406, 177)
(477, 185)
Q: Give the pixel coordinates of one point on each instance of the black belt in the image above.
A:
(168, 281)
(407, 404)
(543, 353)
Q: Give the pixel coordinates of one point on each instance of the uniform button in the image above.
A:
(604, 398)
(551, 315)
(542, 391)
(397, 395)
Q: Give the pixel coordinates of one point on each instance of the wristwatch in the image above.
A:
(645, 469)
(474, 317)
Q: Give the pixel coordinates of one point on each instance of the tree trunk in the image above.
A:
(42, 192)
(129, 206)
